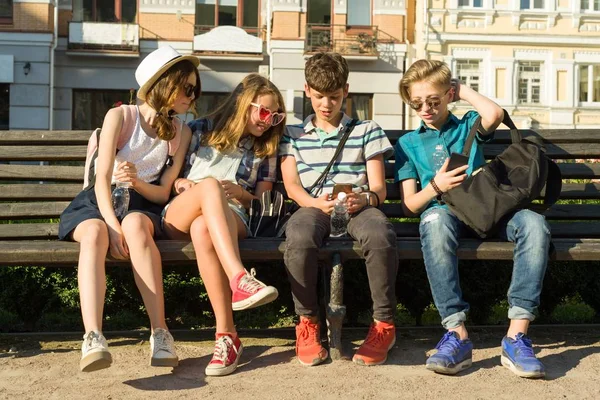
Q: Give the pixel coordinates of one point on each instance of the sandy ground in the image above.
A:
(46, 367)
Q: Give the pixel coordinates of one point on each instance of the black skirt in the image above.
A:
(84, 206)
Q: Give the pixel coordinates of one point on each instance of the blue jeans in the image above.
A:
(440, 232)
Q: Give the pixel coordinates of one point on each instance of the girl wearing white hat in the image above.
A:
(169, 84)
(231, 160)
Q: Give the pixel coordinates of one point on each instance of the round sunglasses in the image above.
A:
(189, 90)
(267, 116)
(431, 103)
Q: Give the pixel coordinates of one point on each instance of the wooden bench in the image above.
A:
(55, 158)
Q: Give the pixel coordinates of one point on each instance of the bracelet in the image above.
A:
(437, 189)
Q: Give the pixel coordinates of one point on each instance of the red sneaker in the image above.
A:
(226, 355)
(308, 344)
(374, 350)
(249, 292)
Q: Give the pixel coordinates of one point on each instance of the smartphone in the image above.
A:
(457, 160)
(340, 187)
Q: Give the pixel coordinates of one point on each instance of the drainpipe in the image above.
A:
(269, 50)
(426, 23)
(52, 49)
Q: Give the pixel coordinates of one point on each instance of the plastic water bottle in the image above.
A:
(439, 157)
(120, 199)
(339, 217)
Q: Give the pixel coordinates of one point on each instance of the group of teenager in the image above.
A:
(195, 181)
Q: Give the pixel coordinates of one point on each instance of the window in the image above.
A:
(468, 72)
(90, 106)
(530, 82)
(355, 105)
(589, 83)
(590, 5)
(532, 4)
(359, 13)
(470, 3)
(319, 12)
(104, 11)
(208, 102)
(211, 13)
(4, 106)
(6, 11)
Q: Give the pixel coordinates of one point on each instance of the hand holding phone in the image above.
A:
(340, 187)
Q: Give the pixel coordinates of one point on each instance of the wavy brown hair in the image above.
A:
(326, 72)
(432, 71)
(231, 117)
(164, 92)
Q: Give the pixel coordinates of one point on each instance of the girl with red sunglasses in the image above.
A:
(230, 161)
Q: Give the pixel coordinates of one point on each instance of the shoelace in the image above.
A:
(524, 345)
(222, 346)
(92, 340)
(249, 283)
(376, 335)
(308, 332)
(162, 341)
(449, 343)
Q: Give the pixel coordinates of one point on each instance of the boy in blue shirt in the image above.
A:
(428, 88)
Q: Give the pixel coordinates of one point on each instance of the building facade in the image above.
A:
(77, 58)
(539, 59)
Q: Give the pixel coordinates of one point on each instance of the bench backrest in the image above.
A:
(55, 158)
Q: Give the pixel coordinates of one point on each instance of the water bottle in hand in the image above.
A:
(339, 217)
(120, 199)
(439, 157)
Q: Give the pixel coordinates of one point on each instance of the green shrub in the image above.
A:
(573, 310)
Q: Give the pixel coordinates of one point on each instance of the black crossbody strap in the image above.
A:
(323, 177)
(515, 136)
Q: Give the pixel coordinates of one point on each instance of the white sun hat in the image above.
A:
(155, 64)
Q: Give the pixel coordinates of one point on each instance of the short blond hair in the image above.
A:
(432, 71)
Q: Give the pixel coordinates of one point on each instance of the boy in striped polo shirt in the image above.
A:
(305, 151)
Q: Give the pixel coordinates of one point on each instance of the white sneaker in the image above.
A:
(94, 352)
(162, 347)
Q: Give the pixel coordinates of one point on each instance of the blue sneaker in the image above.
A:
(518, 356)
(453, 355)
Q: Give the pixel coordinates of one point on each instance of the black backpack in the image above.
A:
(510, 182)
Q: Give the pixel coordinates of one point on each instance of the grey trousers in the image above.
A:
(306, 232)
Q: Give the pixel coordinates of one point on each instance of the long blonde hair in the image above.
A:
(231, 117)
(162, 95)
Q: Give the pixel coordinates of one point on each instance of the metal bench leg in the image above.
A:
(336, 310)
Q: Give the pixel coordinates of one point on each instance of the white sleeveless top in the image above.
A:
(148, 154)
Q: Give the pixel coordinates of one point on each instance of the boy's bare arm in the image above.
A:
(414, 202)
(295, 190)
(376, 176)
(490, 112)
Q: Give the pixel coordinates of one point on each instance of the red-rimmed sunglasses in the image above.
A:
(267, 116)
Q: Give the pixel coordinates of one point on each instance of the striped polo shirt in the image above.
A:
(313, 149)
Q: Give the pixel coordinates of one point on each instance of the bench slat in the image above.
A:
(53, 253)
(557, 211)
(568, 191)
(47, 138)
(32, 210)
(42, 172)
(568, 170)
(403, 229)
(32, 191)
(42, 153)
(501, 135)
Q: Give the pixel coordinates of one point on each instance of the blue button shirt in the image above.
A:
(414, 151)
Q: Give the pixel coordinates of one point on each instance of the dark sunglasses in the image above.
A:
(267, 116)
(189, 90)
(431, 103)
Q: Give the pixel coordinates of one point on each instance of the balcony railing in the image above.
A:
(347, 40)
(104, 36)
